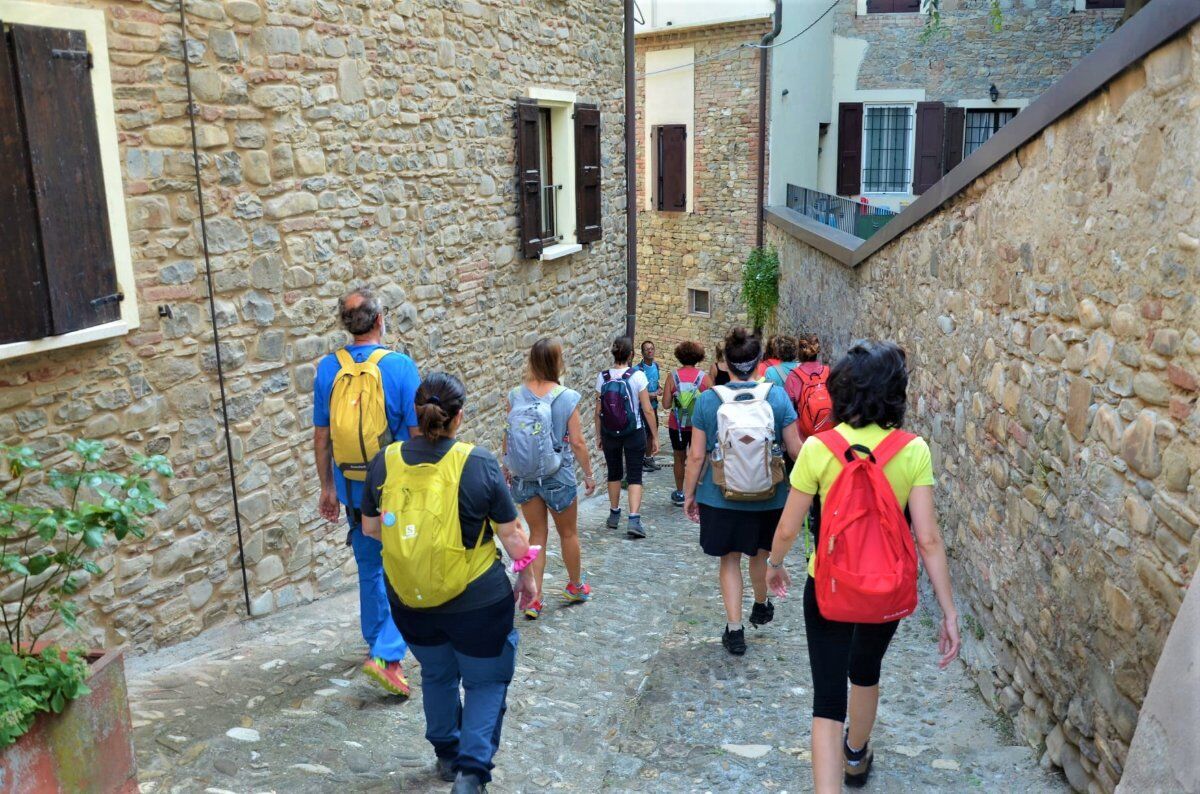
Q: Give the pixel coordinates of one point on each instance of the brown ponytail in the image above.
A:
(439, 400)
(808, 348)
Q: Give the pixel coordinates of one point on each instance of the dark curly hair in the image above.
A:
(785, 348)
(439, 399)
(869, 385)
(689, 353)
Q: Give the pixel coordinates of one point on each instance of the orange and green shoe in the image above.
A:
(577, 594)
(534, 610)
(389, 676)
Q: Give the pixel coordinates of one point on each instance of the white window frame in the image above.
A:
(689, 294)
(561, 105)
(92, 23)
(912, 145)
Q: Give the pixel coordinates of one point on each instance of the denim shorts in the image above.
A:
(557, 492)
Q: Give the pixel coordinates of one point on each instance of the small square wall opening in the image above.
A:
(698, 302)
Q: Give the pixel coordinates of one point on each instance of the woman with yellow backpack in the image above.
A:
(436, 503)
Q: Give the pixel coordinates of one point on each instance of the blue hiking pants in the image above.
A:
(375, 616)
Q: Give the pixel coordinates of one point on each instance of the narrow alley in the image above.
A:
(631, 692)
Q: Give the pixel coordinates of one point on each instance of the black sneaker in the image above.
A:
(467, 783)
(636, 531)
(762, 614)
(856, 774)
(649, 464)
(614, 518)
(734, 641)
(445, 770)
(677, 498)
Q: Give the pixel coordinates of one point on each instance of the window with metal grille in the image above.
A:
(698, 302)
(549, 194)
(887, 149)
(983, 124)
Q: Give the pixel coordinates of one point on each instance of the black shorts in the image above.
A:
(680, 438)
(624, 457)
(747, 531)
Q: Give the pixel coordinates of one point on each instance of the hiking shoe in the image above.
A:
(650, 464)
(635, 528)
(677, 498)
(762, 614)
(734, 641)
(389, 676)
(614, 518)
(857, 774)
(534, 610)
(467, 783)
(445, 770)
(578, 594)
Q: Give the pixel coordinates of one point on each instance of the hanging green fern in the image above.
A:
(760, 285)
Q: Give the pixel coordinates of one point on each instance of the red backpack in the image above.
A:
(805, 387)
(866, 567)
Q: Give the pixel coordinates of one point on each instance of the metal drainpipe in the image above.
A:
(212, 307)
(762, 118)
(631, 283)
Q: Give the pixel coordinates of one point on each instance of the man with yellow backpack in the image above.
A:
(362, 401)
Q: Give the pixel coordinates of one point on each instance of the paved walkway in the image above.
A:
(631, 692)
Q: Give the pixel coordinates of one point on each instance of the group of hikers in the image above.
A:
(769, 444)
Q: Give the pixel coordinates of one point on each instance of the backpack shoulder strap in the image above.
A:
(836, 443)
(761, 391)
(344, 359)
(726, 394)
(377, 355)
(675, 377)
(699, 379)
(556, 392)
(888, 448)
(606, 375)
(628, 374)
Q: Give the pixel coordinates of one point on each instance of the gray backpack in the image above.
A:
(534, 450)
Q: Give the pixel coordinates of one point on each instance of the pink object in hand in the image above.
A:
(516, 566)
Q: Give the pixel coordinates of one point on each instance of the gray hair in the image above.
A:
(362, 317)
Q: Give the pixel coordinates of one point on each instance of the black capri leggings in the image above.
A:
(837, 651)
(621, 454)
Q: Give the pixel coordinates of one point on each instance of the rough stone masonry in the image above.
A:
(1049, 314)
(340, 142)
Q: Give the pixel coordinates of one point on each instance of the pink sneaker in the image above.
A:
(388, 675)
(578, 594)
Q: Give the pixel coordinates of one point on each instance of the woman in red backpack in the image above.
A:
(869, 389)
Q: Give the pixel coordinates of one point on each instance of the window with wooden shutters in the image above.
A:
(529, 176)
(930, 145)
(887, 149)
(849, 154)
(60, 275)
(981, 125)
(669, 154)
(587, 173)
(893, 6)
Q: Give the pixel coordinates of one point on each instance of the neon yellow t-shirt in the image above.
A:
(816, 468)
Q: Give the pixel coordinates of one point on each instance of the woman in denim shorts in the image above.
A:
(557, 493)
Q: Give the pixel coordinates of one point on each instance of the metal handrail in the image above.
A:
(853, 217)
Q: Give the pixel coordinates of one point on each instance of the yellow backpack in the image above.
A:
(423, 553)
(358, 421)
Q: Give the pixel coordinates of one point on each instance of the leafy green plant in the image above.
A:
(934, 26)
(51, 521)
(760, 285)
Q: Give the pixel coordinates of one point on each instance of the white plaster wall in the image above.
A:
(804, 68)
(670, 99)
(680, 13)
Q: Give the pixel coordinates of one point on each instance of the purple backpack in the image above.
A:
(618, 415)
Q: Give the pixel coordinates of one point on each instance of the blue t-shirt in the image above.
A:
(652, 378)
(400, 382)
(778, 373)
(705, 418)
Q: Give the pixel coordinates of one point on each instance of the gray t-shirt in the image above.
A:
(482, 495)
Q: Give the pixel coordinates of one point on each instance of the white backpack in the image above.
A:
(745, 466)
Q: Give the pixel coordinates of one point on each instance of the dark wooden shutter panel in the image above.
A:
(655, 166)
(849, 156)
(587, 173)
(54, 74)
(529, 179)
(24, 305)
(956, 120)
(906, 6)
(930, 142)
(671, 168)
(880, 6)
(1090, 4)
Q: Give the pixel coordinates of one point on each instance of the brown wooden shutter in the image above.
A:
(880, 6)
(671, 168)
(24, 306)
(587, 173)
(54, 75)
(906, 6)
(849, 156)
(930, 142)
(1098, 4)
(956, 121)
(529, 178)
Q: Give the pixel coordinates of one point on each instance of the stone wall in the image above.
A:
(1038, 41)
(706, 247)
(341, 142)
(1049, 314)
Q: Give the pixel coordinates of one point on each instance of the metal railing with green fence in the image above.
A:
(853, 217)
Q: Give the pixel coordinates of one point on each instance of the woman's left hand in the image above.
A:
(778, 581)
(525, 590)
(589, 485)
(691, 509)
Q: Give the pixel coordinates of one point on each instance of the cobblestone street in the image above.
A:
(631, 692)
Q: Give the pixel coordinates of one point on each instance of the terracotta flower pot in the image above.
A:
(88, 749)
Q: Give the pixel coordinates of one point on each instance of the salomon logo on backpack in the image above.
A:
(745, 466)
(684, 400)
(618, 414)
(866, 561)
(806, 388)
(358, 422)
(533, 451)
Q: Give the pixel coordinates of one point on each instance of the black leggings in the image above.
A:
(621, 454)
(840, 650)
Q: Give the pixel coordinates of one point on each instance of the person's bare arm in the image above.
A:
(372, 527)
(599, 437)
(791, 523)
(792, 441)
(691, 472)
(327, 503)
(579, 446)
(668, 392)
(651, 420)
(932, 549)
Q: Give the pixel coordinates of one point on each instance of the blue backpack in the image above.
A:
(534, 449)
(618, 414)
